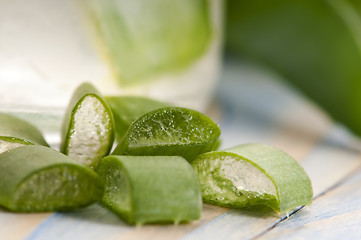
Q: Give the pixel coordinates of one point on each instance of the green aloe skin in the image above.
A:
(150, 189)
(15, 132)
(88, 127)
(170, 131)
(127, 109)
(315, 45)
(39, 179)
(144, 39)
(251, 175)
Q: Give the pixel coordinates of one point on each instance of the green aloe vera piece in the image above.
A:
(126, 109)
(315, 45)
(88, 127)
(253, 174)
(150, 189)
(143, 39)
(38, 179)
(15, 132)
(170, 131)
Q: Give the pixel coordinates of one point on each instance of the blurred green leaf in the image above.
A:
(357, 5)
(316, 45)
(145, 38)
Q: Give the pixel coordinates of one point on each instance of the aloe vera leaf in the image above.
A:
(315, 45)
(143, 39)
(150, 189)
(170, 131)
(356, 4)
(126, 109)
(16, 132)
(253, 174)
(88, 126)
(38, 179)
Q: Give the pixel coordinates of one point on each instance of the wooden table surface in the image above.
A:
(251, 105)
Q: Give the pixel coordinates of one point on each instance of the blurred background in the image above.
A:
(169, 50)
(189, 52)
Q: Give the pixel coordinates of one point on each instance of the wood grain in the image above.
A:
(15, 226)
(334, 215)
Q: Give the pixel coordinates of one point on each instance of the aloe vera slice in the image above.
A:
(253, 174)
(170, 131)
(15, 132)
(88, 127)
(126, 109)
(143, 39)
(37, 179)
(150, 189)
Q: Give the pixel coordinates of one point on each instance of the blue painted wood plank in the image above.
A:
(93, 222)
(334, 215)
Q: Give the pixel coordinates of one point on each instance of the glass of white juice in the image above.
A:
(168, 50)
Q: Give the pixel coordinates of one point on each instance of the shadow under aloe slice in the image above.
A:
(250, 175)
(39, 179)
(170, 131)
(150, 189)
(15, 132)
(88, 127)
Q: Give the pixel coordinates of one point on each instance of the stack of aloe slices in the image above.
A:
(164, 164)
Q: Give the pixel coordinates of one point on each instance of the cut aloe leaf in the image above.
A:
(127, 109)
(253, 174)
(88, 127)
(38, 179)
(15, 132)
(143, 39)
(170, 131)
(296, 39)
(150, 189)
